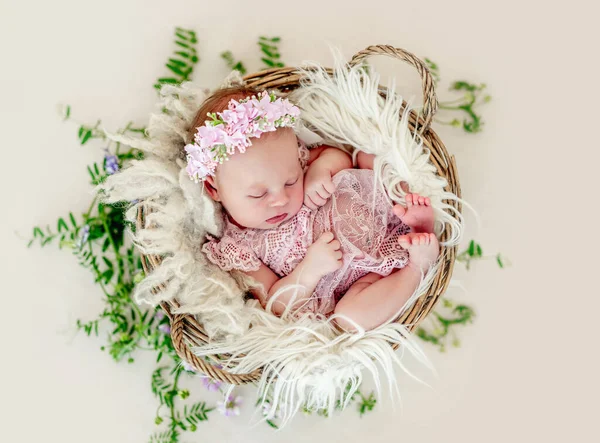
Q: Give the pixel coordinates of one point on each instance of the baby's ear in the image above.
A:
(211, 189)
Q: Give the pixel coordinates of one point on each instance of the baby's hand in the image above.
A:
(318, 187)
(323, 256)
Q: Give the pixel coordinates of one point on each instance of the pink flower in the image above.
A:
(200, 162)
(246, 111)
(230, 116)
(288, 108)
(210, 135)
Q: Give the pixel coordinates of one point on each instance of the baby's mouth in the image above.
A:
(277, 218)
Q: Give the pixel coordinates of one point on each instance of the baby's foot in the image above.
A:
(418, 213)
(423, 249)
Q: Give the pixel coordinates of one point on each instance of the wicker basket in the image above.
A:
(186, 331)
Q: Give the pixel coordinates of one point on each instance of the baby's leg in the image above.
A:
(374, 299)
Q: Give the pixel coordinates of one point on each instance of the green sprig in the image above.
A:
(269, 47)
(473, 122)
(232, 64)
(442, 323)
(182, 63)
(474, 252)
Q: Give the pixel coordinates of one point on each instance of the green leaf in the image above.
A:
(86, 137)
(269, 53)
(107, 262)
(106, 244)
(190, 38)
(268, 62)
(62, 225)
(274, 39)
(73, 221)
(499, 260)
(168, 80)
(240, 68)
(91, 173)
(183, 45)
(107, 275)
(192, 57)
(471, 250)
(479, 251)
(175, 70)
(176, 62)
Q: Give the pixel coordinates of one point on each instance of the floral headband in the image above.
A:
(232, 129)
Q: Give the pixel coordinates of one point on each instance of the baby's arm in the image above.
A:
(324, 163)
(323, 256)
(329, 158)
(364, 160)
(271, 283)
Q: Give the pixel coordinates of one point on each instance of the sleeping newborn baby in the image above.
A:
(305, 217)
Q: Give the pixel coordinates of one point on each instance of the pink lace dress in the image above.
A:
(368, 238)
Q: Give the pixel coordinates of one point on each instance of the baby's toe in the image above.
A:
(404, 241)
(399, 210)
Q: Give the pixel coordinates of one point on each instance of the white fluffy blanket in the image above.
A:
(306, 363)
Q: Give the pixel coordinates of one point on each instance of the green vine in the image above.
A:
(465, 104)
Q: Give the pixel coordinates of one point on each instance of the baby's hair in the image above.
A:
(217, 102)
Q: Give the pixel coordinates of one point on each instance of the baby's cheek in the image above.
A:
(299, 195)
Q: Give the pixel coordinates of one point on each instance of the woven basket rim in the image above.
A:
(186, 330)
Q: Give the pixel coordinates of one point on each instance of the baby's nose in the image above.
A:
(280, 199)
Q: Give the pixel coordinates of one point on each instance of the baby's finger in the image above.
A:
(309, 203)
(329, 186)
(321, 192)
(316, 198)
(335, 244)
(327, 236)
(338, 255)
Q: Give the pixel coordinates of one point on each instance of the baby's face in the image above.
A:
(266, 181)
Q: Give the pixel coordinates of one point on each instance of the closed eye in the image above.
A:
(287, 184)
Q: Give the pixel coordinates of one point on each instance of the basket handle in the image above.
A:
(430, 102)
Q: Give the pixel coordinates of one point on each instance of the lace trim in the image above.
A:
(231, 252)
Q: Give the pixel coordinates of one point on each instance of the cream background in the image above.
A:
(527, 368)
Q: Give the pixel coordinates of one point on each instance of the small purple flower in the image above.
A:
(111, 164)
(229, 407)
(211, 384)
(83, 237)
(159, 315)
(164, 328)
